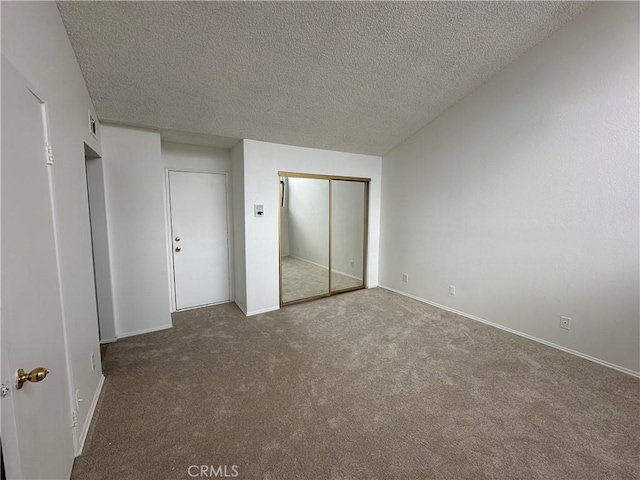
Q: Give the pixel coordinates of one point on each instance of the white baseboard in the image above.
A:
(146, 330)
(264, 310)
(604, 363)
(108, 340)
(241, 307)
(202, 306)
(92, 410)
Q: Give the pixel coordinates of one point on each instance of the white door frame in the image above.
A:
(168, 237)
(10, 451)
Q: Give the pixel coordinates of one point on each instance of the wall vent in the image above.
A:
(92, 124)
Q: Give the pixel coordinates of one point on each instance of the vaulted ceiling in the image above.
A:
(351, 76)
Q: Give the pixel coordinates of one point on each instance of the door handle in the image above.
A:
(34, 376)
(178, 249)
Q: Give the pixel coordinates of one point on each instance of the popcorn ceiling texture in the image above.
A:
(350, 76)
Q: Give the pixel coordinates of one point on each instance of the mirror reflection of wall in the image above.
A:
(347, 234)
(322, 227)
(304, 238)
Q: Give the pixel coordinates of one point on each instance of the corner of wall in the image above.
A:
(239, 243)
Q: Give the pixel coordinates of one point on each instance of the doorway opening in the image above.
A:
(100, 244)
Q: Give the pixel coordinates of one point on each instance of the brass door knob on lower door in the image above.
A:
(34, 376)
(177, 249)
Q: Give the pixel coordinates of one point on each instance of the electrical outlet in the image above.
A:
(565, 322)
(405, 277)
(452, 290)
(93, 361)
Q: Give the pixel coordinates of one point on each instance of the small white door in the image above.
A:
(36, 429)
(199, 238)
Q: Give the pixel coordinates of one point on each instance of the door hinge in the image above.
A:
(74, 418)
(49, 151)
(5, 389)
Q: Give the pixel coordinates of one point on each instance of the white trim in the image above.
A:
(241, 307)
(204, 306)
(144, 330)
(92, 409)
(264, 310)
(56, 241)
(108, 340)
(169, 236)
(604, 363)
(168, 241)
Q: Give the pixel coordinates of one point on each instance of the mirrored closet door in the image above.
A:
(323, 224)
(348, 207)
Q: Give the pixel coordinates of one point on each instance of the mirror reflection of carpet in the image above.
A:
(302, 279)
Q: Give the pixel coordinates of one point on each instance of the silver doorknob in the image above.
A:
(177, 249)
(177, 239)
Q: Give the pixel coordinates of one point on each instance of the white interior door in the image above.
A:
(36, 419)
(199, 238)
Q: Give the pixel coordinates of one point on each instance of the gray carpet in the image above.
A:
(302, 279)
(366, 385)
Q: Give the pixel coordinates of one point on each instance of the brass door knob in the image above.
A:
(178, 249)
(34, 376)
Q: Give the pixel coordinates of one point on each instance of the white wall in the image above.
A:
(524, 195)
(182, 156)
(35, 41)
(134, 180)
(136, 163)
(262, 161)
(238, 204)
(307, 202)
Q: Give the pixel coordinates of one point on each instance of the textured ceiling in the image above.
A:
(191, 138)
(351, 76)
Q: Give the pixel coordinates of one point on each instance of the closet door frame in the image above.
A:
(365, 226)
